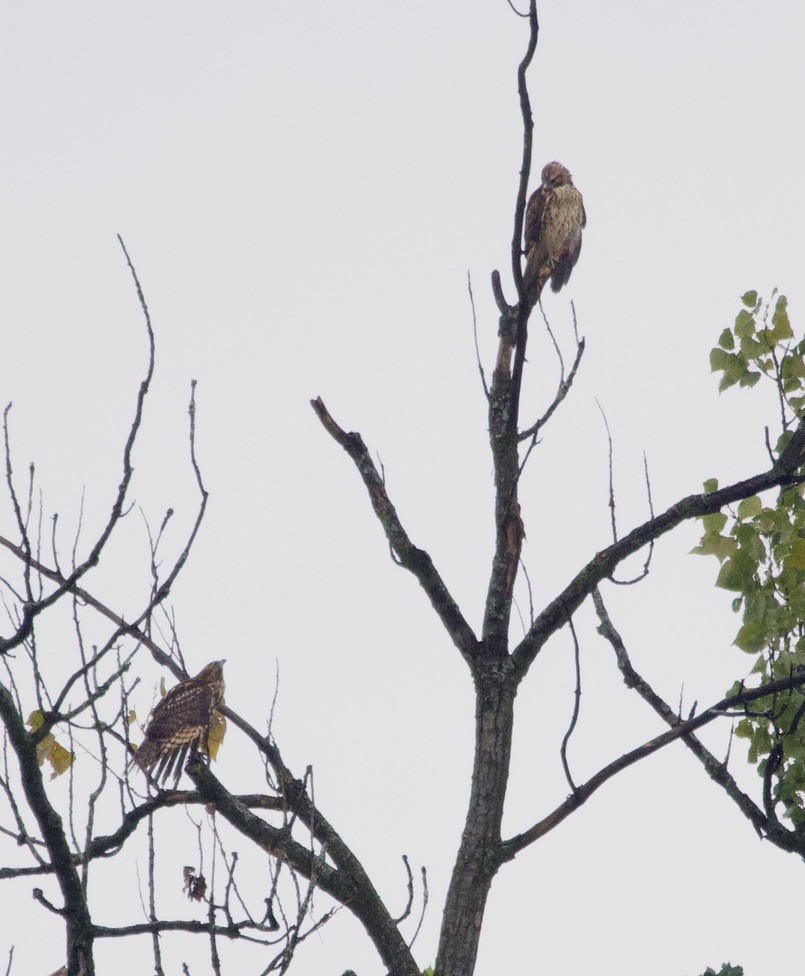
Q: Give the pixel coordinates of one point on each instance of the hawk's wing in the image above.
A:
(534, 215)
(179, 726)
(537, 231)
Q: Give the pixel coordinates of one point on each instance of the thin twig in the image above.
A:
(410, 889)
(530, 592)
(425, 897)
(647, 563)
(152, 911)
(576, 706)
(555, 343)
(611, 475)
(561, 393)
(475, 337)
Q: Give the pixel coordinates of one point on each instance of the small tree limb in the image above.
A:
(415, 560)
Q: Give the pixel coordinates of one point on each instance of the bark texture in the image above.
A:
(479, 855)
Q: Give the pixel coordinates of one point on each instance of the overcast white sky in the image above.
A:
(303, 188)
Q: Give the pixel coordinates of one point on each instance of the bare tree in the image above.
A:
(49, 706)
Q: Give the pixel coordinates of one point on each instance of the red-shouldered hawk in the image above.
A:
(179, 727)
(553, 222)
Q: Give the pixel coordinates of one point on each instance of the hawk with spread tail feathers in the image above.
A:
(553, 223)
(179, 727)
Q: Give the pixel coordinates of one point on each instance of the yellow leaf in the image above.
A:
(35, 720)
(59, 758)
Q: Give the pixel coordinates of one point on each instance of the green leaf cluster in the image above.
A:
(761, 550)
(760, 343)
(726, 970)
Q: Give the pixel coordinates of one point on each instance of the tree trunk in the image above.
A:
(479, 854)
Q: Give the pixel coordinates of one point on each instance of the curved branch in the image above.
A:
(576, 705)
(415, 560)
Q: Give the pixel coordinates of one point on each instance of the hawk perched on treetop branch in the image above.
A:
(179, 727)
(553, 221)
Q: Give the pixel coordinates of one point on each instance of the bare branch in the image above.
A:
(576, 706)
(561, 393)
(21, 522)
(152, 908)
(525, 167)
(347, 883)
(604, 563)
(647, 564)
(715, 769)
(32, 610)
(156, 926)
(76, 910)
(613, 523)
(515, 10)
(110, 844)
(416, 561)
(425, 899)
(475, 337)
(410, 888)
(524, 302)
(514, 845)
